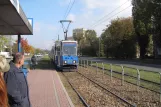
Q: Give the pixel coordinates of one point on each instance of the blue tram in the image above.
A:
(64, 54)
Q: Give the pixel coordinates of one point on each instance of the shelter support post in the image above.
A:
(19, 43)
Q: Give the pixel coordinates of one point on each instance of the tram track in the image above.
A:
(128, 91)
(127, 75)
(79, 95)
(131, 105)
(108, 92)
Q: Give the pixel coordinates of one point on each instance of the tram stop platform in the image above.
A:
(47, 90)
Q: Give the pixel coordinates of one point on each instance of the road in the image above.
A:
(132, 64)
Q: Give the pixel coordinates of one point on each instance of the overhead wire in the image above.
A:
(70, 9)
(64, 17)
(111, 16)
(67, 12)
(67, 9)
(110, 13)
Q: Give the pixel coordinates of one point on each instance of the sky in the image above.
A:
(46, 15)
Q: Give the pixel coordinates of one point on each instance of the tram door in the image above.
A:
(58, 55)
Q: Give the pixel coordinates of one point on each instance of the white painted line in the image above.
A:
(56, 95)
(69, 100)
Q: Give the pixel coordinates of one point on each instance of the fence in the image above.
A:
(141, 78)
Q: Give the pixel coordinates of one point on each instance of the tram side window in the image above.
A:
(58, 50)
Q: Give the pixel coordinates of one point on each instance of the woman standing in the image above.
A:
(4, 67)
(34, 62)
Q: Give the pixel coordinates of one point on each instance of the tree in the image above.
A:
(119, 39)
(142, 23)
(31, 49)
(3, 42)
(87, 43)
(156, 18)
(91, 43)
(37, 51)
(25, 47)
(78, 37)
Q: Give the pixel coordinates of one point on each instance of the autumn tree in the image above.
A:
(25, 47)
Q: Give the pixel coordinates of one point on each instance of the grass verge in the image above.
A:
(151, 76)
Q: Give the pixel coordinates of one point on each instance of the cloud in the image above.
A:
(47, 44)
(94, 4)
(42, 35)
(85, 13)
(104, 4)
(64, 2)
(71, 17)
(94, 10)
(37, 27)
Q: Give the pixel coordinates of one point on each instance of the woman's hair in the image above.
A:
(3, 93)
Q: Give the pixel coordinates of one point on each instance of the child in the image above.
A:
(25, 69)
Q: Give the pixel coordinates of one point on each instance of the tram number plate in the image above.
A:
(69, 61)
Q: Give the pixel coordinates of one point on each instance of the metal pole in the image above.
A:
(81, 63)
(103, 69)
(160, 86)
(138, 81)
(111, 71)
(122, 75)
(19, 43)
(99, 47)
(97, 67)
(91, 63)
(87, 64)
(84, 64)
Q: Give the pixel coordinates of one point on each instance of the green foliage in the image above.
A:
(156, 14)
(142, 23)
(102, 54)
(37, 51)
(89, 44)
(3, 42)
(15, 48)
(119, 39)
(150, 46)
(78, 37)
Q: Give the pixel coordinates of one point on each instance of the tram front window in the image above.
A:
(69, 50)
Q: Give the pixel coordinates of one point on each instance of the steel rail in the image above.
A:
(79, 95)
(132, 105)
(143, 80)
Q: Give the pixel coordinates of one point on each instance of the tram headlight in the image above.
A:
(65, 62)
(74, 62)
